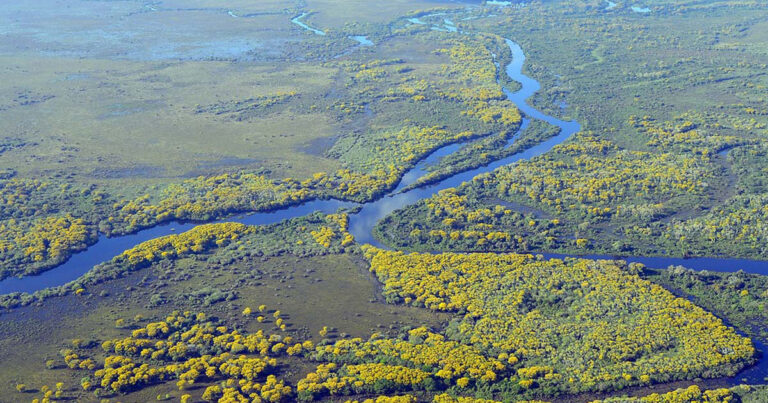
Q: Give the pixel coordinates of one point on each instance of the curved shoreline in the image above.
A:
(297, 20)
(363, 221)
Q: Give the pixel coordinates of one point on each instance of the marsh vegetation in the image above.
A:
(249, 107)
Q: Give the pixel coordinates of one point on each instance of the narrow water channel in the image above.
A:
(361, 223)
(367, 215)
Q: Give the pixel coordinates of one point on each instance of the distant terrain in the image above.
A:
(339, 201)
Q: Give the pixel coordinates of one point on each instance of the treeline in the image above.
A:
(740, 298)
(224, 242)
(563, 326)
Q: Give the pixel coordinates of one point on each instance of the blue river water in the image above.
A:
(362, 40)
(362, 222)
(297, 20)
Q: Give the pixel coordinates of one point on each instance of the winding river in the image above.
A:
(297, 20)
(362, 222)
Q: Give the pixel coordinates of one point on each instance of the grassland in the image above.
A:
(121, 141)
(221, 282)
(141, 122)
(434, 328)
(114, 138)
(442, 326)
(697, 112)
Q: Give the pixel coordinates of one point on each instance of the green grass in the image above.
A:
(124, 129)
(117, 128)
(613, 69)
(144, 126)
(337, 292)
